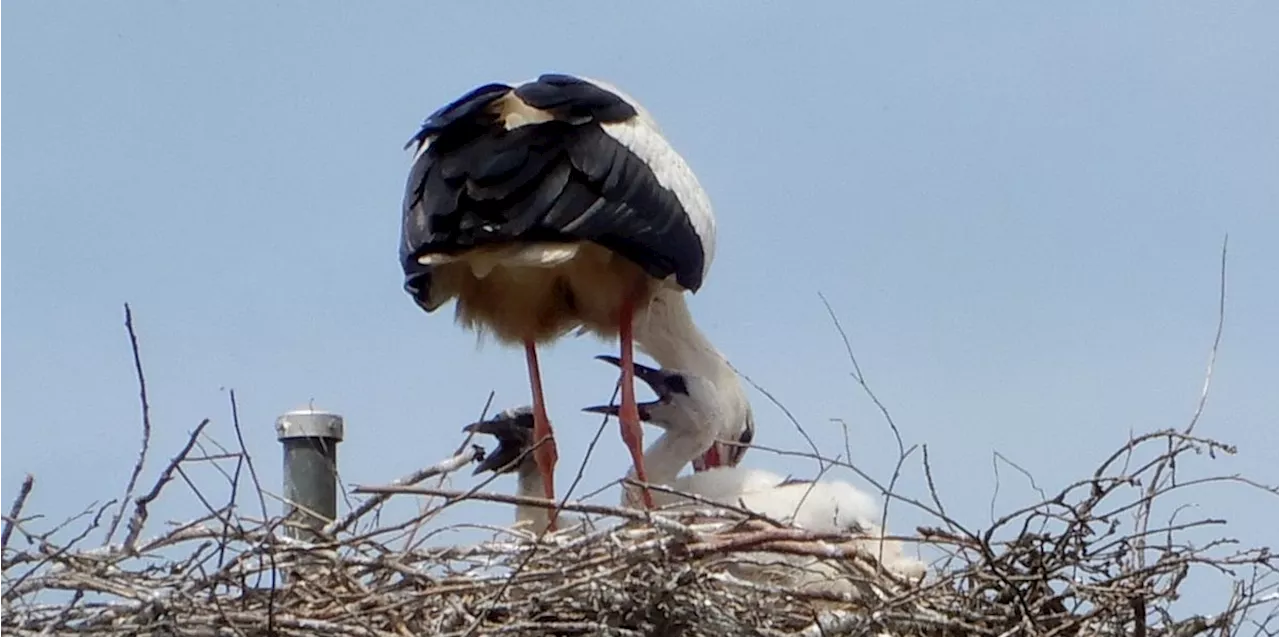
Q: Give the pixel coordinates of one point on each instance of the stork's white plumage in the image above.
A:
(550, 206)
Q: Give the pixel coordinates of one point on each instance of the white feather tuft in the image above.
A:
(482, 261)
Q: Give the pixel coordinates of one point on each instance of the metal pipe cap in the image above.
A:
(309, 423)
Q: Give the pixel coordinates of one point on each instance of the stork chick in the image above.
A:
(687, 418)
(513, 429)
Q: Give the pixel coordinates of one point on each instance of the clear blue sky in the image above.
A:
(1015, 209)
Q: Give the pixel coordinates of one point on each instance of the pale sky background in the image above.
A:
(1015, 209)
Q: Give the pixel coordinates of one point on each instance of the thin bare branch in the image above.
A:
(140, 506)
(15, 509)
(146, 426)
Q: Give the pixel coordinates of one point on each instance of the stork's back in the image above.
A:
(532, 204)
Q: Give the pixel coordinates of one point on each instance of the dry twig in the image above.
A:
(146, 425)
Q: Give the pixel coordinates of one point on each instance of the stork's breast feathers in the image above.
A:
(552, 161)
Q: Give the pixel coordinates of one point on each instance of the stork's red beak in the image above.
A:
(709, 460)
(723, 454)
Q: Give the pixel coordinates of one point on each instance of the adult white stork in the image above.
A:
(551, 206)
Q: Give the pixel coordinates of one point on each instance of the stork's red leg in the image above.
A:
(545, 451)
(629, 414)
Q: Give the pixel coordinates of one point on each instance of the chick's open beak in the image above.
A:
(514, 431)
(654, 378)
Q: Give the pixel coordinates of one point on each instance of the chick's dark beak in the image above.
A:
(612, 410)
(499, 461)
(514, 431)
(654, 378)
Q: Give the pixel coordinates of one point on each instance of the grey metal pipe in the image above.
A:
(310, 438)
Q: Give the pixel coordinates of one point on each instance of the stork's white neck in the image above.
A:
(666, 331)
(664, 459)
(529, 484)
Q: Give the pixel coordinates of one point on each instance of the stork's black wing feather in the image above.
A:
(566, 179)
(570, 99)
(463, 110)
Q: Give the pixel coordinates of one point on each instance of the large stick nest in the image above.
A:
(1088, 560)
(1109, 554)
